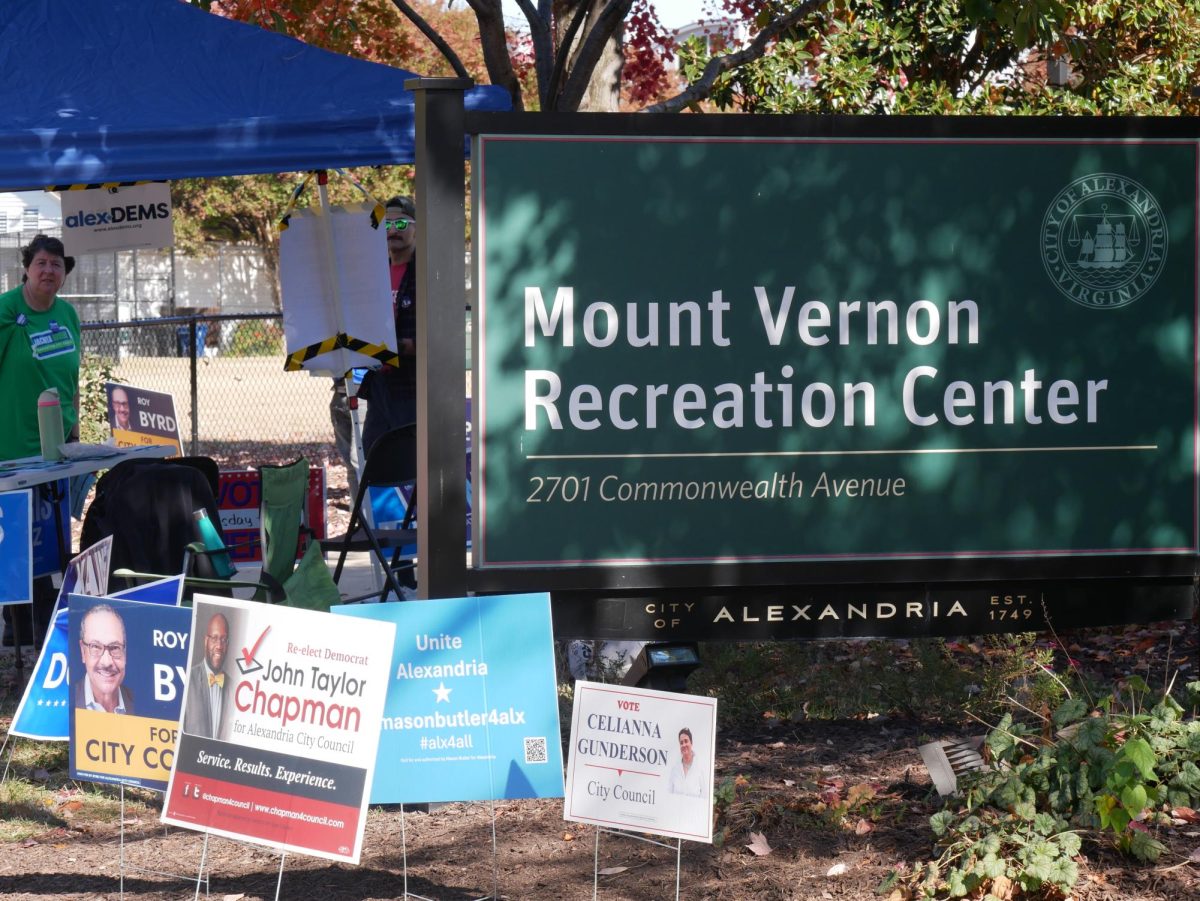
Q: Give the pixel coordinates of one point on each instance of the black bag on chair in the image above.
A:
(148, 508)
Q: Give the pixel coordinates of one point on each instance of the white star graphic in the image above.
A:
(442, 692)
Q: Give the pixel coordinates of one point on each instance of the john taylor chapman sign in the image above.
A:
(834, 350)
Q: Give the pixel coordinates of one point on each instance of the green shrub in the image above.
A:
(94, 371)
(256, 338)
(1109, 773)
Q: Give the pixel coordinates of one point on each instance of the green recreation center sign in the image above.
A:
(833, 350)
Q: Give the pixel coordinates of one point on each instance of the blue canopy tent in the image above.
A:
(130, 90)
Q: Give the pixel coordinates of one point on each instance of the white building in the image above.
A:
(30, 212)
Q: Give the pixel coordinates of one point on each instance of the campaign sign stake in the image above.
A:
(127, 665)
(280, 726)
(472, 705)
(642, 760)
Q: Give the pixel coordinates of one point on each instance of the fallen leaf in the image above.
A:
(860, 793)
(1186, 814)
(758, 844)
(789, 782)
(568, 837)
(1002, 887)
(238, 897)
(862, 827)
(612, 871)
(72, 806)
(837, 869)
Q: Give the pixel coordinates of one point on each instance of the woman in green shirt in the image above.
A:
(39, 349)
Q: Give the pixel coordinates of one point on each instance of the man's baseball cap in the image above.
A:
(404, 204)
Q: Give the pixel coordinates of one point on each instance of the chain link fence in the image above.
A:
(233, 400)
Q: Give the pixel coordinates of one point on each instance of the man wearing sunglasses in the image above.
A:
(391, 392)
(102, 645)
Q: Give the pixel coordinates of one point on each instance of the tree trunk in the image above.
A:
(603, 91)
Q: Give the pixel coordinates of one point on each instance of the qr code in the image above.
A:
(535, 750)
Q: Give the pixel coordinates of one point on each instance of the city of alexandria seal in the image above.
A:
(1104, 240)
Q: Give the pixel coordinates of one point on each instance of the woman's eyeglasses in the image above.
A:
(398, 224)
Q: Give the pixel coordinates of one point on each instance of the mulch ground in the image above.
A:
(789, 775)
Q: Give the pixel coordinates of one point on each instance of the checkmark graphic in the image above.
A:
(249, 655)
(246, 663)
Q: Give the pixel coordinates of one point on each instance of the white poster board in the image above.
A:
(313, 273)
(280, 726)
(125, 218)
(626, 767)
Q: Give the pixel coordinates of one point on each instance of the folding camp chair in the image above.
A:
(391, 463)
(282, 521)
(280, 524)
(148, 507)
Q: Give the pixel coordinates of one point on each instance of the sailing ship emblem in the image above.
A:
(1105, 244)
(1104, 241)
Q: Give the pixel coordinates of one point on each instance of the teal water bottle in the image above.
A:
(207, 533)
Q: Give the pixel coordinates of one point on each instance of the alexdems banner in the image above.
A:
(119, 218)
(834, 349)
(128, 662)
(280, 726)
(472, 705)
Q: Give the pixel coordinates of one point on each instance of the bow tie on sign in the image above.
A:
(217, 679)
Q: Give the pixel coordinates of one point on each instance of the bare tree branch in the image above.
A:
(718, 65)
(543, 44)
(606, 25)
(550, 101)
(494, 42)
(436, 39)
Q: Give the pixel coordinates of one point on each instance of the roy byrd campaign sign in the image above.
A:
(280, 726)
(44, 710)
(239, 497)
(16, 553)
(128, 662)
(642, 760)
(472, 705)
(139, 416)
(123, 217)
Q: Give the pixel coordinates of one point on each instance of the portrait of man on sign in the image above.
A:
(102, 647)
(119, 414)
(208, 683)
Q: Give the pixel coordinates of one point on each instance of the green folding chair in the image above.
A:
(281, 523)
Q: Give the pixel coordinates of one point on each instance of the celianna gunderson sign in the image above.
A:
(903, 361)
